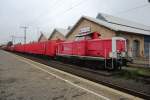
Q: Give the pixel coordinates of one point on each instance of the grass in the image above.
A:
(144, 72)
(133, 73)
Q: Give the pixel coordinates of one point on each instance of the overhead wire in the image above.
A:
(70, 8)
(132, 9)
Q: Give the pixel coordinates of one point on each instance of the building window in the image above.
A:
(136, 48)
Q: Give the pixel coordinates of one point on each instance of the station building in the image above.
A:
(137, 35)
(42, 38)
(58, 33)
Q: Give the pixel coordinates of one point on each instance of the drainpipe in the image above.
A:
(149, 55)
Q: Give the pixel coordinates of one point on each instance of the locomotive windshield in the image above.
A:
(84, 36)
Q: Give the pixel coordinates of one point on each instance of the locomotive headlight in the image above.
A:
(113, 54)
(110, 54)
(123, 54)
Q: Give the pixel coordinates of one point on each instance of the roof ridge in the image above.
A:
(121, 21)
(126, 25)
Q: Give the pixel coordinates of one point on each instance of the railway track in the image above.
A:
(96, 76)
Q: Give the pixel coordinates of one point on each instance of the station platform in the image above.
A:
(24, 79)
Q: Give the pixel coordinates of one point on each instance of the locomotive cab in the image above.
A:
(118, 47)
(118, 52)
(112, 50)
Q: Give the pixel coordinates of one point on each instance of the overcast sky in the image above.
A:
(45, 15)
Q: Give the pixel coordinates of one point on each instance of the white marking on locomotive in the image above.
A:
(114, 46)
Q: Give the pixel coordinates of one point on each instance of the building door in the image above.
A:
(147, 46)
(136, 49)
(128, 48)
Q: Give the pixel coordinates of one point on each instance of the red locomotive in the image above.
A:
(110, 52)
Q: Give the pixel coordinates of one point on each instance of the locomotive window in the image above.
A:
(79, 38)
(88, 37)
(83, 38)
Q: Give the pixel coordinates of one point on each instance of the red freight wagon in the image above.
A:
(28, 48)
(25, 48)
(65, 48)
(50, 49)
(31, 48)
(11, 48)
(20, 48)
(35, 48)
(79, 48)
(17, 47)
(40, 48)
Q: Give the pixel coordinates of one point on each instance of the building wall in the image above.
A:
(130, 43)
(42, 39)
(56, 35)
(105, 33)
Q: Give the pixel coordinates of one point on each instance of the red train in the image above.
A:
(110, 53)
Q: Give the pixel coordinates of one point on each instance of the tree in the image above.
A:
(9, 43)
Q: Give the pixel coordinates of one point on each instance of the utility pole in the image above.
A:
(13, 39)
(25, 31)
